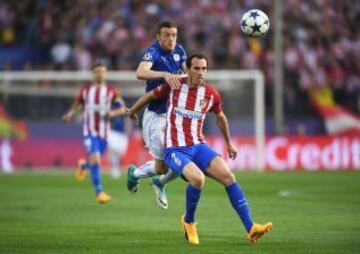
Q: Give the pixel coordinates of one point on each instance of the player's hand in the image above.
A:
(174, 80)
(232, 151)
(110, 114)
(66, 117)
(133, 116)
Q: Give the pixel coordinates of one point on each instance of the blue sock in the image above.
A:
(96, 177)
(238, 201)
(192, 200)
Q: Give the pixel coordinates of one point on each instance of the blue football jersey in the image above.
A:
(162, 61)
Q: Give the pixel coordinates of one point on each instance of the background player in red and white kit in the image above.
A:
(186, 152)
(99, 102)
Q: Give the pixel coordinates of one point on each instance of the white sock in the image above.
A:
(146, 170)
(168, 177)
(114, 161)
(115, 173)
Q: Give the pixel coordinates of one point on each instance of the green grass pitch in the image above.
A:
(312, 212)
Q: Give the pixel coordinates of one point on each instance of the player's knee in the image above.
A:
(161, 167)
(94, 159)
(228, 178)
(198, 180)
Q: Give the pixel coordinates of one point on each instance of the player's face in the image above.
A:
(197, 71)
(167, 38)
(100, 73)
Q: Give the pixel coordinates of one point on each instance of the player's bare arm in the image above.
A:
(117, 112)
(140, 103)
(223, 125)
(144, 72)
(75, 108)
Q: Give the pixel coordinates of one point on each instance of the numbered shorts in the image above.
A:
(178, 157)
(117, 142)
(95, 145)
(153, 133)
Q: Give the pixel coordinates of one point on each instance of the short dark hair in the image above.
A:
(167, 24)
(98, 63)
(195, 55)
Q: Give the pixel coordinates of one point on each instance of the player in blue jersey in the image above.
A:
(163, 61)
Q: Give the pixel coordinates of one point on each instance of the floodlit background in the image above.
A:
(309, 59)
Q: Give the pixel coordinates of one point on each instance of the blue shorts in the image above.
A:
(177, 157)
(95, 145)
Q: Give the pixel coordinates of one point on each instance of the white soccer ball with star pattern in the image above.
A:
(255, 23)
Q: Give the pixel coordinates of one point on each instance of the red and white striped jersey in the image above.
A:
(187, 109)
(97, 102)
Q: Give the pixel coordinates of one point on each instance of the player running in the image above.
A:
(96, 101)
(163, 61)
(186, 152)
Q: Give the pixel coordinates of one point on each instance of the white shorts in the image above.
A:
(117, 142)
(154, 132)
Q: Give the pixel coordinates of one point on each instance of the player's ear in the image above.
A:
(186, 69)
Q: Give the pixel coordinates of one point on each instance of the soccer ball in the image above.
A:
(255, 23)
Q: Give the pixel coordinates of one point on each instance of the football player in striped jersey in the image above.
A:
(99, 102)
(186, 151)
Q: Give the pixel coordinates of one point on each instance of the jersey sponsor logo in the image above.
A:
(177, 57)
(105, 98)
(185, 113)
(147, 56)
(176, 159)
(204, 103)
(98, 107)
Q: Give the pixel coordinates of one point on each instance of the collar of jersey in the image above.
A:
(163, 51)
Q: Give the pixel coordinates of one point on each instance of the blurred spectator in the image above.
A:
(7, 22)
(81, 57)
(61, 54)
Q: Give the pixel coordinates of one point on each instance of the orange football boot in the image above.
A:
(258, 230)
(190, 231)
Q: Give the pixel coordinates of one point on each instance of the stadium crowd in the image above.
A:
(321, 39)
